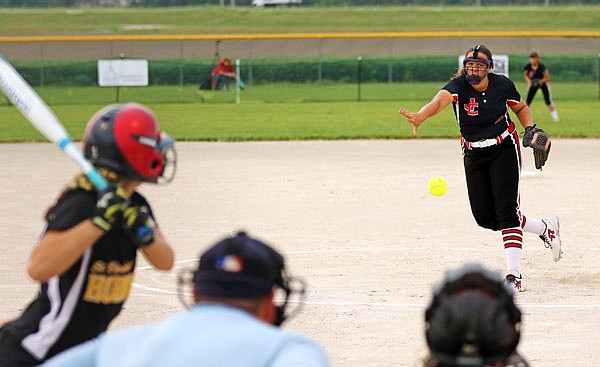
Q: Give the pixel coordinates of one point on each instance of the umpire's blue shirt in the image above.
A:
(208, 335)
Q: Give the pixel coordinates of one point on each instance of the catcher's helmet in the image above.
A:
(473, 320)
(126, 139)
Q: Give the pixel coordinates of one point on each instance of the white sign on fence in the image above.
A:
(500, 64)
(115, 73)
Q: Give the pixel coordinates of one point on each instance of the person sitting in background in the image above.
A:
(234, 322)
(537, 77)
(222, 74)
(472, 321)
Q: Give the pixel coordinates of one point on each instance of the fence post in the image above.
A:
(122, 57)
(237, 81)
(42, 71)
(250, 77)
(181, 63)
(390, 63)
(359, 77)
(320, 68)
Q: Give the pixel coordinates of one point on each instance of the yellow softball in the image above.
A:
(437, 186)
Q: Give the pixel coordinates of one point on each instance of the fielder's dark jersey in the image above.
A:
(537, 73)
(79, 304)
(482, 115)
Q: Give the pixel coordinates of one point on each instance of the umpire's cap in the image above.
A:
(238, 267)
(473, 321)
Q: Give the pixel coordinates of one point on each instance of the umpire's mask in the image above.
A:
(244, 267)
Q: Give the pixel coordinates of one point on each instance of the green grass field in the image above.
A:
(294, 112)
(306, 111)
(242, 20)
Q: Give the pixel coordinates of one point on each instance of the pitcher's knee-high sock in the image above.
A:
(513, 246)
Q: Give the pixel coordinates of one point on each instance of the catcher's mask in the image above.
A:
(244, 268)
(475, 79)
(126, 139)
(472, 320)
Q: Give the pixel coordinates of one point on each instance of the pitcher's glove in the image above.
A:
(138, 222)
(539, 141)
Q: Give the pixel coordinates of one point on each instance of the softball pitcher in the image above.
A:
(492, 155)
(86, 256)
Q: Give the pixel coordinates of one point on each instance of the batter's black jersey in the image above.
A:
(483, 115)
(79, 304)
(537, 73)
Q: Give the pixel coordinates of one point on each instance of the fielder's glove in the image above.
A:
(536, 83)
(139, 224)
(109, 207)
(539, 141)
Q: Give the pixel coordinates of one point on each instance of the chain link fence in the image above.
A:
(180, 60)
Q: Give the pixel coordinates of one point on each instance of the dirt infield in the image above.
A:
(355, 219)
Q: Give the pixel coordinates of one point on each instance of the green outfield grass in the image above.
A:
(215, 20)
(294, 112)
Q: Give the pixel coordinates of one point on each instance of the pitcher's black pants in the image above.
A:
(492, 176)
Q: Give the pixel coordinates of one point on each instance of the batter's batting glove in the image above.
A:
(109, 207)
(140, 225)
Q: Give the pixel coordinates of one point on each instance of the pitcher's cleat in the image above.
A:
(551, 237)
(514, 281)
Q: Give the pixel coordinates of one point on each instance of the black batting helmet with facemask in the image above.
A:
(472, 321)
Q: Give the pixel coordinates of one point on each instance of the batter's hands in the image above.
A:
(109, 207)
(413, 118)
(140, 225)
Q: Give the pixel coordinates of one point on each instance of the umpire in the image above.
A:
(234, 321)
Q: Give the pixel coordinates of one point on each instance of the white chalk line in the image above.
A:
(378, 304)
(389, 249)
(391, 304)
(420, 305)
(152, 289)
(381, 304)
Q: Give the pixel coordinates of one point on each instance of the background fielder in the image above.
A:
(537, 77)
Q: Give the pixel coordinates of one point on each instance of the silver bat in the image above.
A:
(31, 105)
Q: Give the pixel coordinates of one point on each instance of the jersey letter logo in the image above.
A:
(471, 107)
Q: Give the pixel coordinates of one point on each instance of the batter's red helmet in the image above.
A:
(126, 139)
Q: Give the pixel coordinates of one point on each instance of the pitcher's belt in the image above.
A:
(490, 142)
